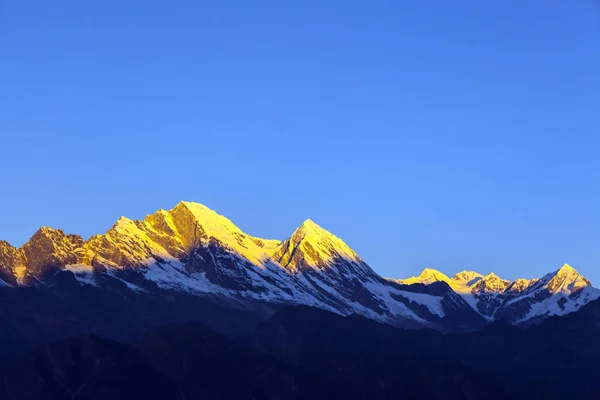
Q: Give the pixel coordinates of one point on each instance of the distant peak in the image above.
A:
(46, 231)
(430, 272)
(491, 275)
(319, 248)
(122, 220)
(567, 268)
(310, 228)
(192, 204)
(522, 280)
(427, 276)
(309, 224)
(206, 216)
(464, 274)
(123, 225)
(566, 280)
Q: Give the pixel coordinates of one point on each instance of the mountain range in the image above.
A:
(522, 301)
(191, 251)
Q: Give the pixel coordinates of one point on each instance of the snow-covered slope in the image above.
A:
(192, 249)
(335, 274)
(557, 293)
(521, 301)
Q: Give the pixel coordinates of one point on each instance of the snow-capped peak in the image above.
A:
(491, 283)
(427, 276)
(310, 225)
(467, 278)
(312, 247)
(557, 293)
(520, 285)
(212, 223)
(310, 231)
(198, 224)
(123, 224)
(565, 280)
(567, 267)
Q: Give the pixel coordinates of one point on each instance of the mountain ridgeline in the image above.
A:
(192, 255)
(183, 304)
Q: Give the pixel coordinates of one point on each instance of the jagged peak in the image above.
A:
(566, 271)
(191, 203)
(223, 229)
(123, 224)
(520, 285)
(566, 268)
(47, 233)
(310, 224)
(464, 274)
(319, 248)
(430, 272)
(200, 210)
(207, 217)
(492, 275)
(521, 280)
(4, 243)
(310, 228)
(123, 220)
(47, 230)
(566, 280)
(309, 231)
(427, 276)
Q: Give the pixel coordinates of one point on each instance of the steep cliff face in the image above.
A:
(49, 250)
(12, 264)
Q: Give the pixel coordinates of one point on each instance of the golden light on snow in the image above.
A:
(20, 273)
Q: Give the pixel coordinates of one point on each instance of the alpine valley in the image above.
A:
(192, 264)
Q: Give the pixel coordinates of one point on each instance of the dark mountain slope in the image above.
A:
(32, 316)
(302, 353)
(186, 361)
(87, 367)
(557, 359)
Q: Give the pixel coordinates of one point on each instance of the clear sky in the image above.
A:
(445, 134)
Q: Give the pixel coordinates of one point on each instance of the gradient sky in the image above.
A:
(445, 134)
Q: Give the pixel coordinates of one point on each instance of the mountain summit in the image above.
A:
(520, 301)
(192, 250)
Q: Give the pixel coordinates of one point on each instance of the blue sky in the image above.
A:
(450, 135)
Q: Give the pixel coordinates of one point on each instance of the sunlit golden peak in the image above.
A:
(491, 275)
(310, 224)
(567, 268)
(465, 275)
(310, 228)
(432, 272)
(193, 204)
